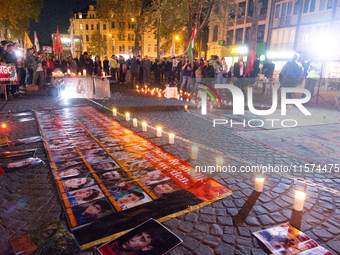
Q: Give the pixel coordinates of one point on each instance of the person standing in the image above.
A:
(98, 66)
(218, 71)
(128, 72)
(122, 69)
(256, 69)
(167, 70)
(146, 70)
(38, 70)
(106, 66)
(50, 67)
(157, 72)
(187, 69)
(268, 70)
(179, 70)
(11, 59)
(290, 74)
(313, 75)
(239, 69)
(113, 67)
(135, 66)
(29, 65)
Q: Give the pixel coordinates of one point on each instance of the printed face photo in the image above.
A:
(92, 211)
(152, 177)
(109, 139)
(139, 164)
(88, 146)
(73, 171)
(162, 188)
(99, 159)
(121, 186)
(25, 162)
(97, 151)
(65, 150)
(105, 166)
(85, 195)
(132, 198)
(77, 183)
(73, 162)
(65, 157)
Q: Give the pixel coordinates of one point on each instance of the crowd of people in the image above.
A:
(36, 68)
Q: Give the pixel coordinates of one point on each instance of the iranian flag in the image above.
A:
(191, 45)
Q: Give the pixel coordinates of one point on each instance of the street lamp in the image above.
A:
(110, 35)
(176, 38)
(132, 19)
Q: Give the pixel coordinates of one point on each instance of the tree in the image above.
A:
(95, 41)
(135, 11)
(15, 15)
(254, 27)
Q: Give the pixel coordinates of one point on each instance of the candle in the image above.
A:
(204, 103)
(79, 74)
(127, 116)
(219, 163)
(194, 151)
(84, 72)
(137, 86)
(259, 184)
(103, 74)
(262, 106)
(171, 138)
(177, 96)
(144, 128)
(159, 94)
(159, 131)
(299, 200)
(68, 71)
(181, 98)
(185, 107)
(187, 99)
(135, 124)
(114, 111)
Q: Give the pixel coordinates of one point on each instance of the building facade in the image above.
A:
(311, 27)
(119, 37)
(231, 40)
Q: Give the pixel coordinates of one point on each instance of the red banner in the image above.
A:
(58, 47)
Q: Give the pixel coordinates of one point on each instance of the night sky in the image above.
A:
(55, 13)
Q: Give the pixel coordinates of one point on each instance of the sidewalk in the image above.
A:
(29, 198)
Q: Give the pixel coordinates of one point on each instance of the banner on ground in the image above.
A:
(110, 179)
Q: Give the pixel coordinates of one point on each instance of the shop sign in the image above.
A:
(221, 42)
(239, 50)
(6, 73)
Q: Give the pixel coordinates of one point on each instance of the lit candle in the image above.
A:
(135, 122)
(127, 116)
(299, 201)
(68, 71)
(171, 138)
(259, 184)
(84, 72)
(194, 151)
(103, 74)
(187, 99)
(159, 94)
(262, 106)
(159, 131)
(185, 107)
(204, 103)
(219, 162)
(181, 98)
(114, 111)
(144, 128)
(79, 74)
(177, 96)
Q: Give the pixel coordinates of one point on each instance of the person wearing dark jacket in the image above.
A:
(106, 65)
(135, 67)
(167, 71)
(239, 70)
(268, 71)
(97, 66)
(290, 74)
(179, 70)
(11, 59)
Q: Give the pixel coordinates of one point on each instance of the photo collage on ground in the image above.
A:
(99, 186)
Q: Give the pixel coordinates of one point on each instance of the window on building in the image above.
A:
(132, 37)
(112, 24)
(129, 37)
(312, 6)
(277, 11)
(113, 48)
(242, 6)
(260, 33)
(306, 6)
(289, 10)
(129, 48)
(149, 47)
(230, 37)
(87, 38)
(104, 38)
(215, 33)
(104, 26)
(81, 26)
(87, 27)
(250, 8)
(239, 36)
(296, 7)
(322, 5)
(80, 16)
(283, 9)
(120, 49)
(149, 34)
(92, 27)
(87, 48)
(123, 47)
(264, 7)
(247, 36)
(329, 4)
(133, 25)
(155, 48)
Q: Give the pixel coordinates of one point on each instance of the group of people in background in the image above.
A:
(37, 68)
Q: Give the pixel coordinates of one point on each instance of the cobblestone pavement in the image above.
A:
(29, 198)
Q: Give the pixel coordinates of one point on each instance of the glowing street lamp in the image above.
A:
(132, 19)
(176, 38)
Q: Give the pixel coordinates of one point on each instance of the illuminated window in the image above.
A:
(80, 16)
(149, 47)
(155, 48)
(81, 26)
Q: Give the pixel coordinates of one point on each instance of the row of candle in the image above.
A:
(144, 126)
(59, 73)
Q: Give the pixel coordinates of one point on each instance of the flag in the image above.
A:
(250, 64)
(36, 42)
(73, 47)
(172, 49)
(27, 42)
(191, 45)
(58, 47)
